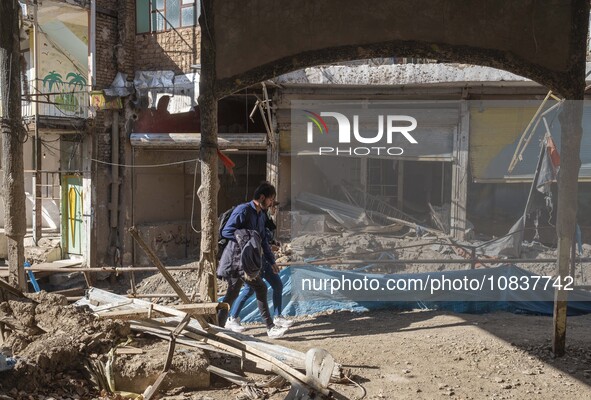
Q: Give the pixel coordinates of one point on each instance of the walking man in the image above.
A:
(272, 277)
(235, 267)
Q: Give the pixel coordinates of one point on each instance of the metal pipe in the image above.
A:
(36, 209)
(316, 263)
(92, 44)
(138, 296)
(115, 169)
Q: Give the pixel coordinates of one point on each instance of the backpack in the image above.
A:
(223, 220)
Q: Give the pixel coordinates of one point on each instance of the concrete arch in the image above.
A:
(245, 42)
(544, 40)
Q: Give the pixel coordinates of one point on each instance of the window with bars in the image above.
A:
(163, 15)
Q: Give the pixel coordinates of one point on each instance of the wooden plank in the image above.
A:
(156, 386)
(142, 313)
(246, 351)
(229, 376)
(459, 175)
(10, 290)
(173, 336)
(158, 264)
(79, 291)
(128, 350)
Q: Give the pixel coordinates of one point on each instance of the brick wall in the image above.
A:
(171, 50)
(119, 49)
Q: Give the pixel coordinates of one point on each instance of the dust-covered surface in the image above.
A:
(135, 372)
(333, 247)
(431, 355)
(51, 341)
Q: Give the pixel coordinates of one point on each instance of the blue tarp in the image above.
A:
(301, 303)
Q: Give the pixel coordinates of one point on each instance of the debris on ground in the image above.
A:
(50, 341)
(306, 373)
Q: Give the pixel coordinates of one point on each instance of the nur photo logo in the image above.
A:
(385, 128)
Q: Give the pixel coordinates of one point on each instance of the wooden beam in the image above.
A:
(246, 351)
(143, 313)
(571, 133)
(229, 376)
(128, 350)
(459, 175)
(156, 386)
(158, 264)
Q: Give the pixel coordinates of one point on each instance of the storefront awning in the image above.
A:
(187, 141)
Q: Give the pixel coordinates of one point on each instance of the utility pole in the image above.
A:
(12, 135)
(36, 181)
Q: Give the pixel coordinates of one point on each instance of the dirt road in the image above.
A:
(430, 355)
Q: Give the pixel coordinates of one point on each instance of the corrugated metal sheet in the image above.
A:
(184, 141)
(495, 132)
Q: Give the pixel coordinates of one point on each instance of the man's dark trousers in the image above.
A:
(260, 290)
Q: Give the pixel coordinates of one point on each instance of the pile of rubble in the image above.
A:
(109, 346)
(51, 342)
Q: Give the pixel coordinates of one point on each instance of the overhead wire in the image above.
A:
(146, 165)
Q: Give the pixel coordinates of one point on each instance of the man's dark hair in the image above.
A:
(264, 189)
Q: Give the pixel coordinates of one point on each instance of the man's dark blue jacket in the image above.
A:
(245, 216)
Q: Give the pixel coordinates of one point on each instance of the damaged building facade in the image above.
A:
(146, 134)
(122, 106)
(478, 152)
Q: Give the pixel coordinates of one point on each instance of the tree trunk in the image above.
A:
(208, 191)
(12, 132)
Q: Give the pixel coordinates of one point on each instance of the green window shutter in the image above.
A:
(142, 16)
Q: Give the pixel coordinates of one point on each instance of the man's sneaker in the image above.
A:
(282, 322)
(233, 324)
(276, 332)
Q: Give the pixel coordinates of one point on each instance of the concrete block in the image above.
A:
(308, 223)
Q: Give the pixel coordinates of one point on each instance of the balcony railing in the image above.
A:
(65, 101)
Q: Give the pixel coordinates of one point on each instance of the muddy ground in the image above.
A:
(392, 355)
(432, 355)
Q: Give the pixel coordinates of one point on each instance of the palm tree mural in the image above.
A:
(53, 78)
(76, 80)
(66, 101)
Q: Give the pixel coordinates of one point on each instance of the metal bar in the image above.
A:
(305, 264)
(518, 148)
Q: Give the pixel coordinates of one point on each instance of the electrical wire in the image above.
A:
(363, 391)
(146, 165)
